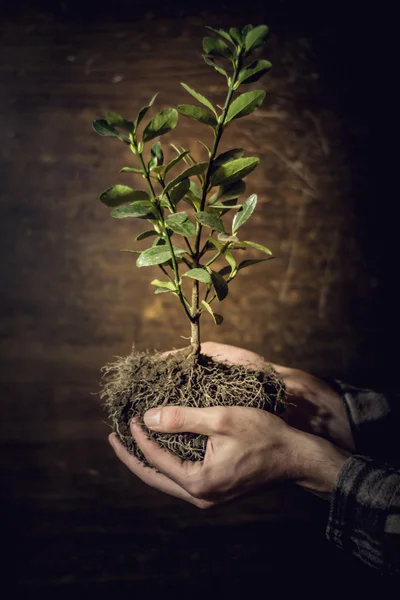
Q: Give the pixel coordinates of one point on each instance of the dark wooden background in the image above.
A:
(78, 522)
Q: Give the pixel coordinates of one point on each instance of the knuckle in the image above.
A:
(222, 419)
(197, 488)
(173, 417)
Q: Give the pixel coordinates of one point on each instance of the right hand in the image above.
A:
(312, 405)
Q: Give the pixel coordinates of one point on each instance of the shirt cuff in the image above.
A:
(364, 516)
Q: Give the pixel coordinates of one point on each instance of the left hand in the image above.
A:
(246, 448)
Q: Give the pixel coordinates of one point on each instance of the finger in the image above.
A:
(232, 355)
(174, 419)
(148, 475)
(184, 473)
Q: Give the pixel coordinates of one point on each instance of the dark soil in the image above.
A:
(133, 384)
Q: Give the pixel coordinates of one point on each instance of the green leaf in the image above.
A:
(160, 124)
(257, 247)
(216, 47)
(229, 192)
(157, 255)
(221, 32)
(229, 205)
(181, 224)
(196, 169)
(179, 191)
(168, 285)
(224, 238)
(211, 62)
(175, 161)
(117, 121)
(199, 274)
(131, 170)
(200, 98)
(244, 213)
(101, 127)
(142, 208)
(234, 170)
(254, 71)
(249, 262)
(245, 30)
(143, 111)
(157, 154)
(196, 113)
(132, 251)
(226, 157)
(209, 220)
(146, 234)
(255, 37)
(220, 285)
(162, 291)
(118, 195)
(217, 318)
(235, 34)
(245, 104)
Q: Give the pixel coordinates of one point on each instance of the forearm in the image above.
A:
(317, 463)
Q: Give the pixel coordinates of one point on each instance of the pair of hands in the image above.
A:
(248, 447)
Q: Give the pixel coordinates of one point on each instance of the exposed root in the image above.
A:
(133, 384)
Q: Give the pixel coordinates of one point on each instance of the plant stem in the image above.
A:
(166, 234)
(197, 255)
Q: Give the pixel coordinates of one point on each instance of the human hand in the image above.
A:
(246, 448)
(312, 405)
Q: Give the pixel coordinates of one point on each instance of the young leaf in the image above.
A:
(117, 195)
(209, 220)
(245, 104)
(157, 153)
(117, 121)
(199, 274)
(229, 192)
(217, 318)
(211, 62)
(245, 30)
(234, 170)
(157, 255)
(235, 34)
(249, 262)
(145, 235)
(229, 205)
(101, 127)
(143, 111)
(179, 191)
(131, 170)
(181, 224)
(226, 157)
(160, 124)
(197, 114)
(257, 247)
(168, 285)
(142, 208)
(221, 32)
(216, 47)
(220, 285)
(224, 238)
(175, 161)
(161, 290)
(254, 71)
(196, 169)
(255, 37)
(200, 98)
(226, 253)
(244, 213)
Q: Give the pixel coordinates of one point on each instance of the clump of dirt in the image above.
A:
(133, 384)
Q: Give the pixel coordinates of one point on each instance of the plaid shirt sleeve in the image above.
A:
(364, 516)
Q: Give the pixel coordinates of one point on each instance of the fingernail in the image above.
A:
(152, 417)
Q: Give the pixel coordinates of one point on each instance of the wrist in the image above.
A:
(316, 463)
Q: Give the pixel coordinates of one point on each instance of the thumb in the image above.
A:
(173, 419)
